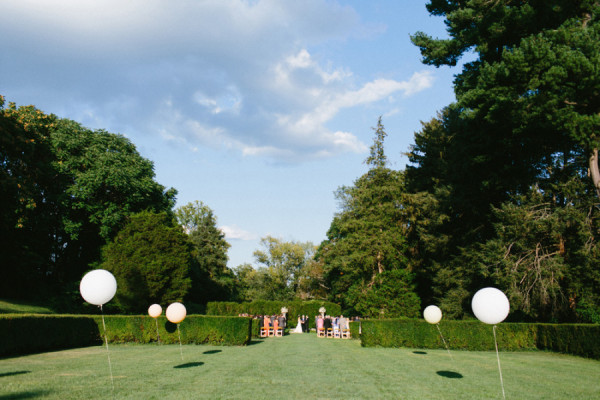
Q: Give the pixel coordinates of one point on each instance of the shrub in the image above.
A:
(31, 333)
(262, 307)
(196, 329)
(582, 340)
(27, 333)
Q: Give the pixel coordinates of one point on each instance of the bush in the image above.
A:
(582, 340)
(27, 333)
(266, 307)
(31, 333)
(197, 329)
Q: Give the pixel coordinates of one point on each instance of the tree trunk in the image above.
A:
(595, 171)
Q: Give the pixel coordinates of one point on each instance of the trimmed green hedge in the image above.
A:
(31, 333)
(197, 329)
(262, 307)
(577, 339)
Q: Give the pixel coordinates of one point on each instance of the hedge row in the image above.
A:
(196, 329)
(262, 307)
(27, 333)
(576, 339)
(24, 334)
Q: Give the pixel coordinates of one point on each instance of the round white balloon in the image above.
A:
(432, 314)
(155, 310)
(176, 312)
(98, 287)
(490, 305)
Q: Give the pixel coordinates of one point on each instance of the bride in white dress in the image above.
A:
(298, 327)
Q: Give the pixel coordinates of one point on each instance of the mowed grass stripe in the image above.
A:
(299, 366)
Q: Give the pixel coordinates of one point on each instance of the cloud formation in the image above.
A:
(234, 232)
(224, 74)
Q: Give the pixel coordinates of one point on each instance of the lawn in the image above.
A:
(295, 367)
(20, 307)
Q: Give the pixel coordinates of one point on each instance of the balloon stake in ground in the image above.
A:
(176, 313)
(98, 287)
(433, 315)
(491, 307)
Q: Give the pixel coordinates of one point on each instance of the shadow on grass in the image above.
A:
(13, 373)
(212, 351)
(189, 365)
(419, 352)
(449, 374)
(25, 395)
(254, 341)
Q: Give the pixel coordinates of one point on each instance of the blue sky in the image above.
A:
(260, 109)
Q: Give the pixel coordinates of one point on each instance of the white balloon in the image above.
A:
(490, 305)
(176, 312)
(432, 314)
(155, 310)
(98, 287)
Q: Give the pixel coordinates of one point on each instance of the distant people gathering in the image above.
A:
(325, 325)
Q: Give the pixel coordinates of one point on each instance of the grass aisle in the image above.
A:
(295, 367)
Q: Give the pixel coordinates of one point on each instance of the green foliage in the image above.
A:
(26, 333)
(196, 329)
(581, 340)
(391, 295)
(29, 194)
(150, 258)
(367, 238)
(266, 307)
(31, 333)
(66, 190)
(504, 170)
(211, 279)
(284, 268)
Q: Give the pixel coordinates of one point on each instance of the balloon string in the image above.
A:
(107, 352)
(157, 334)
(498, 357)
(180, 350)
(445, 344)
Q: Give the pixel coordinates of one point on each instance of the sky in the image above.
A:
(260, 109)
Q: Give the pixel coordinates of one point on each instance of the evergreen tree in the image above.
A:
(367, 237)
(151, 259)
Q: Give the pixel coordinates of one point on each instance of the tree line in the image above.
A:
(501, 190)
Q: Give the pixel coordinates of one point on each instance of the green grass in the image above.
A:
(22, 307)
(295, 367)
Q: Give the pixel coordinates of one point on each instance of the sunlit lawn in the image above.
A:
(295, 367)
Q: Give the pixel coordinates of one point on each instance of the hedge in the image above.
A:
(262, 307)
(31, 333)
(577, 339)
(197, 329)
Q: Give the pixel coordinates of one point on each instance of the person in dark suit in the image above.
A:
(327, 324)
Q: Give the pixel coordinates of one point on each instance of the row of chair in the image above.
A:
(334, 333)
(266, 332)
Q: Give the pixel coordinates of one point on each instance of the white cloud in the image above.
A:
(234, 232)
(230, 74)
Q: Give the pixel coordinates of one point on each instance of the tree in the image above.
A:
(367, 237)
(533, 88)
(212, 280)
(525, 120)
(73, 196)
(151, 259)
(284, 263)
(29, 192)
(252, 284)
